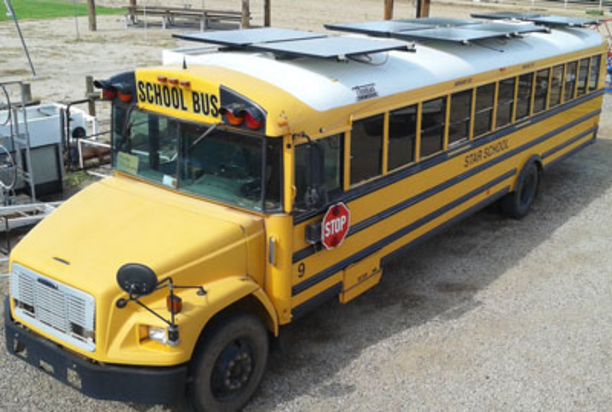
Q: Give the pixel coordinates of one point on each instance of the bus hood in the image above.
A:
(121, 220)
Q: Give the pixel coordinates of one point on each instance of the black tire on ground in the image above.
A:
(229, 364)
(517, 203)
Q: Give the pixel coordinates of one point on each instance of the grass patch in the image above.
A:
(48, 9)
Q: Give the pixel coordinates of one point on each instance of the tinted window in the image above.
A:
(366, 148)
(595, 66)
(460, 116)
(432, 126)
(570, 81)
(541, 90)
(505, 102)
(485, 96)
(332, 149)
(582, 76)
(402, 136)
(556, 85)
(523, 96)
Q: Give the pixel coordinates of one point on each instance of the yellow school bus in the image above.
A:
(279, 169)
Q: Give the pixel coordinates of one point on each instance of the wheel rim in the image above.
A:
(528, 190)
(233, 369)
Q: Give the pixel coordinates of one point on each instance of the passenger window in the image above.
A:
(570, 81)
(402, 136)
(485, 100)
(541, 90)
(582, 76)
(460, 116)
(523, 97)
(556, 85)
(366, 148)
(595, 66)
(505, 102)
(332, 153)
(432, 126)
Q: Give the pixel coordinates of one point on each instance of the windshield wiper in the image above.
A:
(203, 135)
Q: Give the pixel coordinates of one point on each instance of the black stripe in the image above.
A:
(570, 153)
(316, 300)
(568, 142)
(402, 174)
(396, 235)
(310, 250)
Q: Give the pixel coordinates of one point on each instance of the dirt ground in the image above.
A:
(492, 315)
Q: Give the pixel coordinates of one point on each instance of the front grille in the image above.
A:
(55, 308)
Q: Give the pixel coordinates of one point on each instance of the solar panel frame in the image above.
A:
(563, 21)
(450, 34)
(504, 15)
(376, 28)
(439, 21)
(331, 47)
(509, 28)
(243, 38)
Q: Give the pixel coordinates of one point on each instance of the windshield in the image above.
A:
(207, 161)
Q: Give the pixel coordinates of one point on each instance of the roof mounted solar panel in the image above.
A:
(377, 28)
(563, 21)
(243, 38)
(450, 34)
(439, 21)
(331, 47)
(512, 29)
(504, 15)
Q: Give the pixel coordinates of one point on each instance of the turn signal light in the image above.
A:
(174, 304)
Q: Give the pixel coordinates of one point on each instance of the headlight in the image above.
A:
(165, 336)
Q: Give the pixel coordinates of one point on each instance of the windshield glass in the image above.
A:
(207, 161)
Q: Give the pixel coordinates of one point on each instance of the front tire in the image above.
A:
(229, 364)
(517, 204)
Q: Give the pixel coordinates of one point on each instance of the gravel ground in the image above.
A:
(493, 314)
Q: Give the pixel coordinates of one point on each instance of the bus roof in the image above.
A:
(324, 85)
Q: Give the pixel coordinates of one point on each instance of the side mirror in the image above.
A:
(136, 279)
(316, 195)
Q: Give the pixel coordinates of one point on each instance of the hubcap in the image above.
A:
(233, 369)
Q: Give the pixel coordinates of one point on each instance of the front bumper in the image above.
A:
(147, 385)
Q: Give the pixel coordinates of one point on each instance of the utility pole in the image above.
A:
(267, 13)
(388, 14)
(246, 13)
(91, 11)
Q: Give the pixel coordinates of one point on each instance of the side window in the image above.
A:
(366, 148)
(460, 116)
(582, 76)
(402, 136)
(541, 90)
(556, 85)
(523, 97)
(505, 102)
(485, 100)
(570, 81)
(595, 67)
(333, 149)
(432, 126)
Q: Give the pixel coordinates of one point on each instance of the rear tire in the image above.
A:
(230, 364)
(517, 203)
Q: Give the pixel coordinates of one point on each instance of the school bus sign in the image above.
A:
(335, 225)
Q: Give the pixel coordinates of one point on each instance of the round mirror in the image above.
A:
(137, 279)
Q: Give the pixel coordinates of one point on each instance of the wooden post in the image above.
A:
(388, 15)
(89, 90)
(132, 12)
(267, 13)
(91, 11)
(246, 13)
(422, 8)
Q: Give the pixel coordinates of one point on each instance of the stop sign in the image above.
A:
(335, 225)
